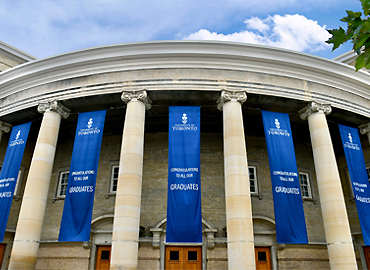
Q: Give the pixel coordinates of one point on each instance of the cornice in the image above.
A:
(186, 54)
(15, 53)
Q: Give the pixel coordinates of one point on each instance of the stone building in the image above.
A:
(231, 83)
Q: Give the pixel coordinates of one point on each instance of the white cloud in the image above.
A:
(257, 24)
(44, 28)
(294, 32)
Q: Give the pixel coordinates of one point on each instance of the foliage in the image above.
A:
(358, 31)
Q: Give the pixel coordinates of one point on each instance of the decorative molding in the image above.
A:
(365, 128)
(156, 236)
(140, 95)
(314, 107)
(5, 127)
(54, 106)
(22, 86)
(86, 244)
(227, 95)
(210, 233)
(209, 230)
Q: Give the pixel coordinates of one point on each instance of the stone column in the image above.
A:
(4, 127)
(126, 224)
(240, 238)
(365, 129)
(337, 230)
(31, 216)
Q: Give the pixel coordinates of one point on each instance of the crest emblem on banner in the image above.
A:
(18, 134)
(350, 138)
(184, 118)
(277, 124)
(89, 124)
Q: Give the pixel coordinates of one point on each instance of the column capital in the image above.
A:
(5, 127)
(140, 95)
(227, 95)
(54, 106)
(365, 128)
(314, 107)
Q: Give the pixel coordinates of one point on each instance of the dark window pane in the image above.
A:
(252, 186)
(114, 188)
(262, 256)
(104, 255)
(192, 255)
(174, 255)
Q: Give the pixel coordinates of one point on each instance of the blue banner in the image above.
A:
(184, 216)
(79, 200)
(288, 206)
(10, 170)
(360, 181)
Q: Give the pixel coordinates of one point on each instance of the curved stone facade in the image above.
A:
(186, 73)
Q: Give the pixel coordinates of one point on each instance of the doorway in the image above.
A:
(103, 257)
(367, 256)
(2, 251)
(263, 258)
(179, 257)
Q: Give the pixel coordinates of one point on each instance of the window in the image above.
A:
(304, 180)
(63, 182)
(114, 179)
(17, 184)
(253, 179)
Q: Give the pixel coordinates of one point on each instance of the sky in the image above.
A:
(45, 28)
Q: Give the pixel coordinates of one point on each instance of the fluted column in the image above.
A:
(128, 197)
(31, 216)
(4, 127)
(365, 129)
(240, 238)
(337, 230)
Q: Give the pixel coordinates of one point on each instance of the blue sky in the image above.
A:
(44, 28)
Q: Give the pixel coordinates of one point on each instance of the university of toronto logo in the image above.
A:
(90, 129)
(278, 130)
(350, 143)
(184, 118)
(184, 125)
(17, 140)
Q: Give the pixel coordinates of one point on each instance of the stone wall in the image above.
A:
(303, 257)
(217, 258)
(154, 200)
(62, 256)
(149, 258)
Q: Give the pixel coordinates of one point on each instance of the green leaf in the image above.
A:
(338, 37)
(365, 6)
(367, 56)
(360, 62)
(351, 16)
(360, 40)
